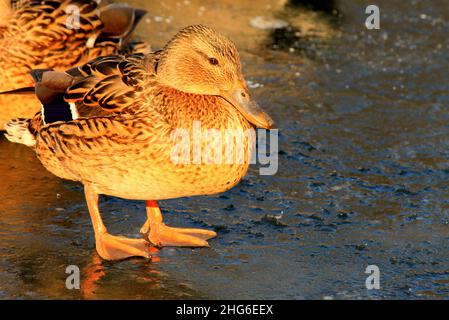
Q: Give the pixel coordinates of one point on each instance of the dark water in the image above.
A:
(362, 175)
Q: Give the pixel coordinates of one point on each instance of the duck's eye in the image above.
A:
(213, 61)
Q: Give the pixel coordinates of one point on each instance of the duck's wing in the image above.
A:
(109, 84)
(111, 87)
(102, 87)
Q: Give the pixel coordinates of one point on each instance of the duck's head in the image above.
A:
(199, 60)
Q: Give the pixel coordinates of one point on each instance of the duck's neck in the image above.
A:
(182, 110)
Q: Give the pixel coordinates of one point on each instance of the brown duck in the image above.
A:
(116, 135)
(56, 34)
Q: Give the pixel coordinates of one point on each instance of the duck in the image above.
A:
(129, 126)
(57, 34)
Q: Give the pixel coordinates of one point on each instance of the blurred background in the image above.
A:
(363, 169)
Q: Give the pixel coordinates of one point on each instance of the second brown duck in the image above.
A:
(39, 34)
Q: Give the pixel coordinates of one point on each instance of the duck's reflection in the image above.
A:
(91, 274)
(96, 270)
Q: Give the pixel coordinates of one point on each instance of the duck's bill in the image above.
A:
(251, 110)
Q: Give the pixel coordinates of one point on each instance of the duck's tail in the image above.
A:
(18, 131)
(49, 88)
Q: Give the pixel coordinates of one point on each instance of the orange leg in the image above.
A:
(161, 235)
(111, 247)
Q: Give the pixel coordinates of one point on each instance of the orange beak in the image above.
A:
(252, 112)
